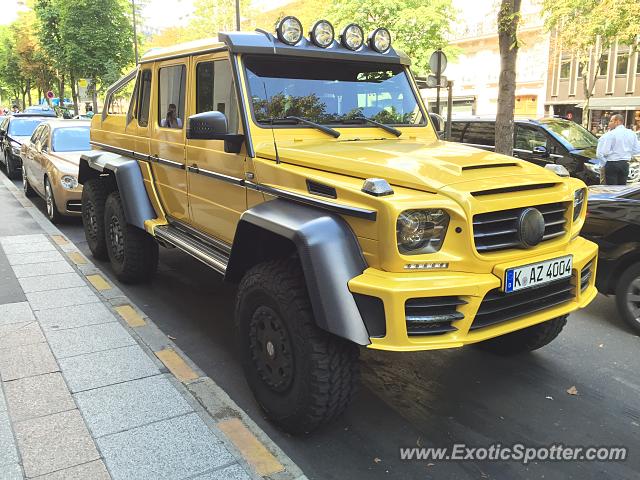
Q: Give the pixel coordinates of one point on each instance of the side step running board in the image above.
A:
(198, 249)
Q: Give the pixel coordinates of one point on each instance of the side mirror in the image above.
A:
(213, 126)
(438, 123)
(540, 151)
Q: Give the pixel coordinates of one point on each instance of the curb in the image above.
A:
(251, 446)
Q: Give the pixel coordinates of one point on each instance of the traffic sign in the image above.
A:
(50, 94)
(438, 62)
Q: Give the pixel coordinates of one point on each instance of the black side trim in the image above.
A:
(372, 312)
(489, 165)
(217, 176)
(518, 188)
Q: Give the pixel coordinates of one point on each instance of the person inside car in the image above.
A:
(171, 120)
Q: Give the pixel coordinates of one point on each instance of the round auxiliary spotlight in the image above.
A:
(322, 33)
(380, 40)
(352, 36)
(289, 30)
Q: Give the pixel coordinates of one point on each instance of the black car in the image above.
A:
(543, 141)
(613, 222)
(15, 130)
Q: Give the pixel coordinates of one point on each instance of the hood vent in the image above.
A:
(518, 188)
(489, 165)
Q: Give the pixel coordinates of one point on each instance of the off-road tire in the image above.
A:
(625, 286)
(525, 340)
(12, 171)
(323, 368)
(133, 252)
(94, 197)
(50, 202)
(26, 187)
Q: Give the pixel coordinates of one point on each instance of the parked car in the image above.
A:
(14, 131)
(547, 140)
(50, 165)
(613, 222)
(41, 110)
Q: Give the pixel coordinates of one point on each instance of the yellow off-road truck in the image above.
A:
(307, 171)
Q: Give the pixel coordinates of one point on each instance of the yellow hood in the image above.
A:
(410, 163)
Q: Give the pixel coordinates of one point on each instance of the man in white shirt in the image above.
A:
(616, 148)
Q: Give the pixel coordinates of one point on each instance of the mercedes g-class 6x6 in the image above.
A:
(306, 170)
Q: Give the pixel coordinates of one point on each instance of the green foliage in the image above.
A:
(418, 27)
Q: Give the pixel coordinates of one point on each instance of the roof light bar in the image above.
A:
(352, 36)
(289, 30)
(380, 40)
(322, 33)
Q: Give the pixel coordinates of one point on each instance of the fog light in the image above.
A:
(380, 40)
(352, 36)
(322, 33)
(289, 30)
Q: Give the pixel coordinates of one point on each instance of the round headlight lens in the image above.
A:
(578, 202)
(289, 30)
(68, 182)
(421, 231)
(352, 36)
(380, 40)
(322, 33)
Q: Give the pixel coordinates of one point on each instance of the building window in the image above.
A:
(604, 64)
(622, 63)
(565, 67)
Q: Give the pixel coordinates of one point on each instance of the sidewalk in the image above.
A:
(91, 388)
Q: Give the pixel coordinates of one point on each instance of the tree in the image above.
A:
(48, 33)
(508, 19)
(586, 28)
(418, 26)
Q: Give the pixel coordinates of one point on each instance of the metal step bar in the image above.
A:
(206, 252)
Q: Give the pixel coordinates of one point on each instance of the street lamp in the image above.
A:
(135, 33)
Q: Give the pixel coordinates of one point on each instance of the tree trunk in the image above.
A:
(74, 93)
(508, 19)
(29, 92)
(39, 95)
(94, 96)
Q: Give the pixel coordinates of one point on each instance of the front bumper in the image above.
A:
(394, 289)
(68, 201)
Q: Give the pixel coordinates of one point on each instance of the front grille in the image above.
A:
(433, 315)
(498, 306)
(585, 276)
(499, 230)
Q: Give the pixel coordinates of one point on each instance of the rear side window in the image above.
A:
(215, 91)
(144, 99)
(480, 133)
(171, 96)
(527, 138)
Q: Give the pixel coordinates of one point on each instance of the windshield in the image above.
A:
(330, 92)
(573, 133)
(70, 139)
(23, 127)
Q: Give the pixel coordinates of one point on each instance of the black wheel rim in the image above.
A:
(271, 349)
(116, 239)
(91, 221)
(633, 298)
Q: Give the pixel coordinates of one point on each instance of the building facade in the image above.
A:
(613, 76)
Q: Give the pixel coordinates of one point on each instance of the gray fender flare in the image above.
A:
(128, 177)
(329, 253)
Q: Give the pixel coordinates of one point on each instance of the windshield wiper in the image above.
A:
(323, 128)
(386, 128)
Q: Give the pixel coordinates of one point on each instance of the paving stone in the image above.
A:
(3, 404)
(15, 313)
(11, 472)
(34, 257)
(54, 442)
(177, 448)
(65, 297)
(132, 404)
(18, 334)
(13, 239)
(232, 472)
(8, 452)
(84, 372)
(89, 339)
(42, 283)
(74, 316)
(38, 396)
(26, 361)
(35, 269)
(39, 246)
(88, 471)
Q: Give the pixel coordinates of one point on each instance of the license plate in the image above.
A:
(537, 274)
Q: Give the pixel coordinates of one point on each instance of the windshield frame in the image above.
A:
(426, 120)
(570, 146)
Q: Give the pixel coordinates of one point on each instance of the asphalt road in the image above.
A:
(430, 398)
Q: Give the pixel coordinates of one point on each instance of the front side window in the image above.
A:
(527, 138)
(70, 139)
(331, 92)
(572, 133)
(23, 127)
(171, 96)
(480, 133)
(144, 99)
(215, 91)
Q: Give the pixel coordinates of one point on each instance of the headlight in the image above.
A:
(578, 202)
(380, 40)
(322, 33)
(69, 182)
(289, 30)
(352, 36)
(421, 231)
